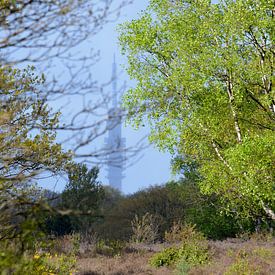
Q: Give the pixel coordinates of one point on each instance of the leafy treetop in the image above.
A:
(205, 75)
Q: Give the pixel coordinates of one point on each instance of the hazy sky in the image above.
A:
(154, 167)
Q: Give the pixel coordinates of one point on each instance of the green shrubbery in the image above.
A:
(192, 251)
(251, 261)
(170, 203)
(110, 247)
(167, 257)
(14, 261)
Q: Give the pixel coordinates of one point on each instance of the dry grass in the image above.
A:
(231, 257)
(132, 263)
(235, 256)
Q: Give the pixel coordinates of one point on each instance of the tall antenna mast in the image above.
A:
(114, 83)
(115, 144)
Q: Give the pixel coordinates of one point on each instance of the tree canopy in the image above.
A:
(205, 75)
(27, 149)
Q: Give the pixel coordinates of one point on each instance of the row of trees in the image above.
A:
(101, 211)
(205, 82)
(155, 210)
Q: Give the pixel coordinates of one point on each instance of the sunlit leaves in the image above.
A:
(27, 149)
(27, 135)
(204, 82)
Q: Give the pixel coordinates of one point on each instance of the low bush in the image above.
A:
(67, 244)
(251, 261)
(241, 266)
(35, 263)
(145, 228)
(193, 250)
(88, 243)
(180, 232)
(110, 247)
(167, 257)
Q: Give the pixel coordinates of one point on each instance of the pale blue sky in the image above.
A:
(154, 167)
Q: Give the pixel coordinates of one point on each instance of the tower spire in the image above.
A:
(114, 83)
(115, 144)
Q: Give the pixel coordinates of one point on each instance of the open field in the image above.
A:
(233, 256)
(133, 263)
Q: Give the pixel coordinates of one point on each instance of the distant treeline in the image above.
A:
(99, 209)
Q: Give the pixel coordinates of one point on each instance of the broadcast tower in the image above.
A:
(115, 144)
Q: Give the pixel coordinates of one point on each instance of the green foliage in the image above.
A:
(174, 235)
(167, 257)
(114, 224)
(61, 264)
(80, 202)
(263, 252)
(28, 148)
(83, 194)
(180, 232)
(248, 262)
(211, 218)
(192, 251)
(159, 201)
(175, 202)
(182, 267)
(195, 251)
(13, 261)
(83, 191)
(242, 266)
(208, 212)
(57, 224)
(110, 247)
(194, 247)
(204, 77)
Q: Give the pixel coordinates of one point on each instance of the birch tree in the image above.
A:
(205, 82)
